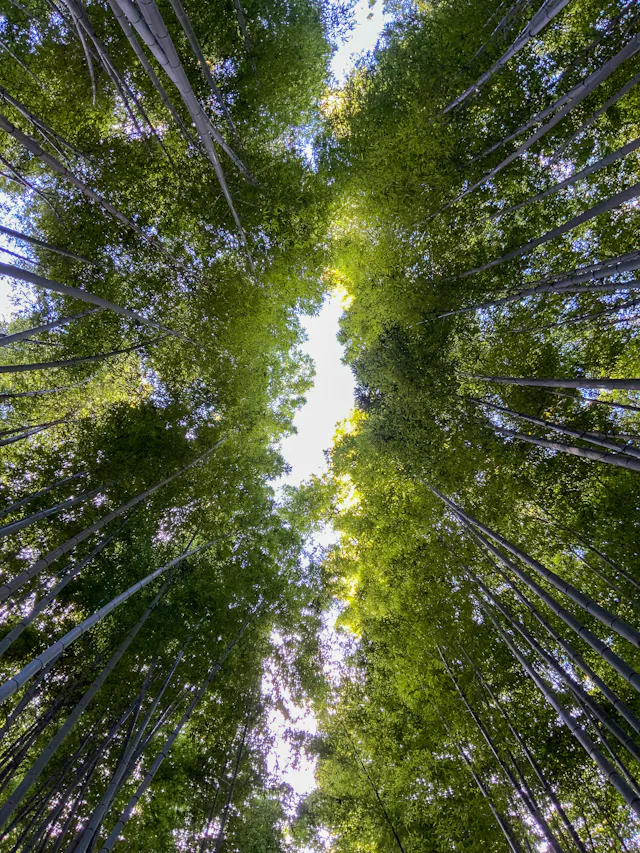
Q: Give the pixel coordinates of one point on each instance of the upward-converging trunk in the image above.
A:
(603, 207)
(535, 766)
(604, 384)
(586, 435)
(83, 295)
(526, 799)
(46, 600)
(546, 13)
(577, 659)
(606, 768)
(586, 87)
(72, 362)
(40, 565)
(14, 507)
(615, 661)
(7, 340)
(610, 620)
(54, 744)
(581, 695)
(628, 86)
(148, 778)
(54, 651)
(36, 149)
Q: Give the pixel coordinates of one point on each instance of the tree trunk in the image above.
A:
(546, 13)
(36, 330)
(610, 620)
(36, 149)
(594, 709)
(573, 179)
(27, 672)
(15, 526)
(148, 778)
(530, 805)
(620, 461)
(71, 362)
(604, 384)
(597, 438)
(579, 94)
(605, 767)
(49, 751)
(44, 602)
(557, 805)
(17, 235)
(40, 565)
(76, 293)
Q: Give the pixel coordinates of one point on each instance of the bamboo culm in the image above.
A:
(54, 744)
(610, 620)
(26, 673)
(605, 767)
(40, 565)
(528, 802)
(47, 327)
(148, 778)
(72, 572)
(76, 293)
(620, 666)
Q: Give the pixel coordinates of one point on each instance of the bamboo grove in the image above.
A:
(485, 231)
(473, 191)
(168, 232)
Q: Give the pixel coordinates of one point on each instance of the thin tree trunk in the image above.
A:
(604, 384)
(46, 132)
(148, 778)
(71, 362)
(14, 507)
(605, 269)
(586, 87)
(36, 149)
(527, 800)
(594, 709)
(605, 767)
(546, 13)
(573, 179)
(227, 806)
(9, 395)
(33, 431)
(500, 820)
(49, 751)
(27, 672)
(185, 23)
(76, 293)
(557, 805)
(610, 620)
(573, 450)
(157, 38)
(587, 124)
(374, 788)
(40, 565)
(36, 330)
(608, 204)
(597, 438)
(151, 74)
(573, 655)
(620, 666)
(15, 526)
(44, 602)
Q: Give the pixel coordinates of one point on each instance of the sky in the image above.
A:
(328, 403)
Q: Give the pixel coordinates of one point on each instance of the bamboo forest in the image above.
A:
(444, 615)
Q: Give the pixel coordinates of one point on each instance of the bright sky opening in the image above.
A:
(329, 402)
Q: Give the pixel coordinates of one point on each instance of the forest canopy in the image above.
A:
(180, 184)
